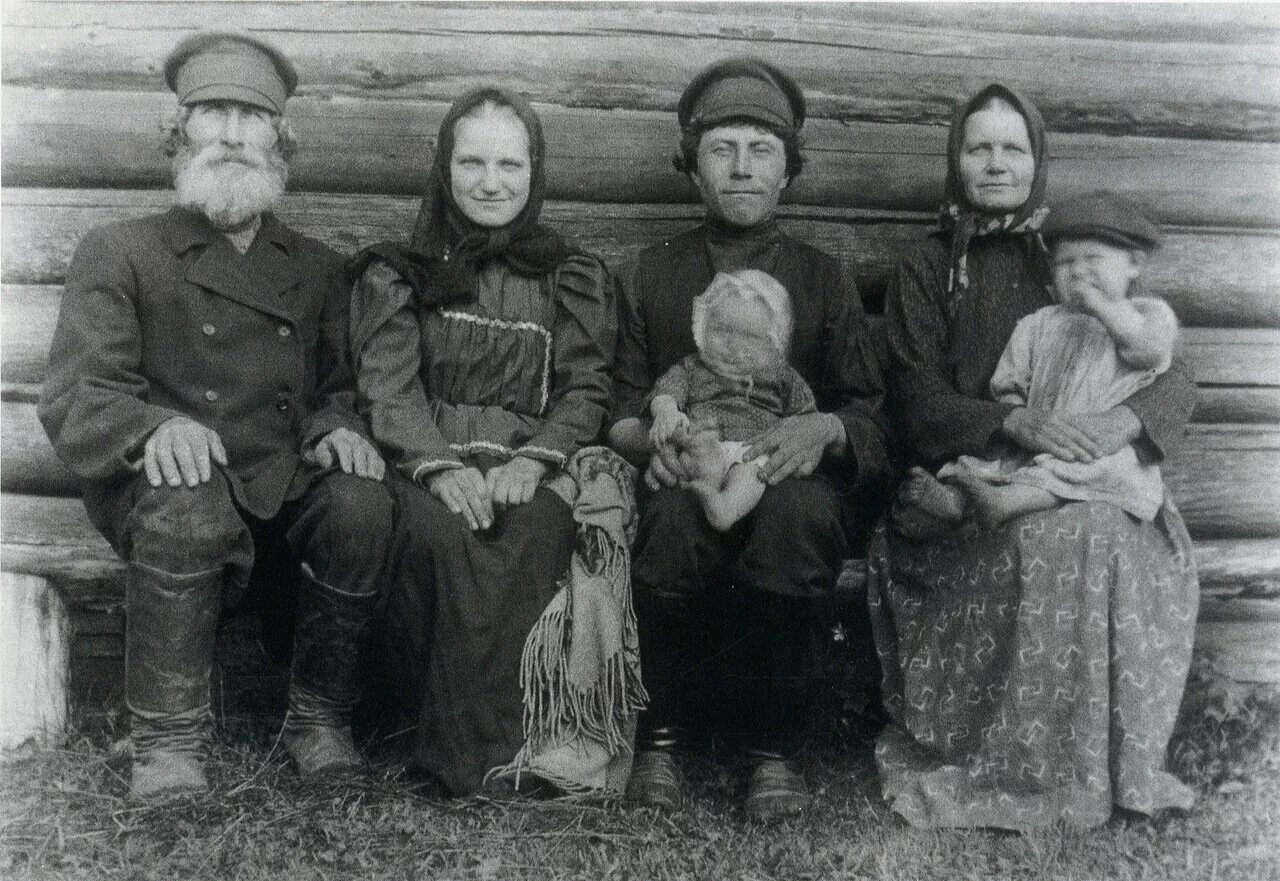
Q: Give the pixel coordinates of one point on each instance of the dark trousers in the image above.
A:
(733, 619)
(339, 529)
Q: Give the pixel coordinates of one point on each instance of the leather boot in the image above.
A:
(775, 789)
(170, 632)
(324, 687)
(656, 781)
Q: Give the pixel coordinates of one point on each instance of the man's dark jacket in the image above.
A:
(162, 316)
(830, 343)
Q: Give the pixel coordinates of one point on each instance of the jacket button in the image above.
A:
(211, 396)
(208, 329)
(282, 402)
(284, 330)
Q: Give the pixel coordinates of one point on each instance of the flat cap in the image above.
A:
(1102, 215)
(742, 88)
(230, 66)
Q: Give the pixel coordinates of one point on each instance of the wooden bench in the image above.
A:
(1176, 105)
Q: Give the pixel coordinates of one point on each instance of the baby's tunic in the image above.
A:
(1060, 358)
(742, 409)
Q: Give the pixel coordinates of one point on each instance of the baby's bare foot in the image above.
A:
(985, 499)
(924, 491)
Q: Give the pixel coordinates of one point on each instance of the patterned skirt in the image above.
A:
(1033, 673)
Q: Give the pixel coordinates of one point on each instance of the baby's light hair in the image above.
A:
(740, 286)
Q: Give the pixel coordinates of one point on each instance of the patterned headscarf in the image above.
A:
(965, 220)
(447, 248)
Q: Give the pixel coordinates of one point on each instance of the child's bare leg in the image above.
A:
(998, 504)
(726, 505)
(926, 506)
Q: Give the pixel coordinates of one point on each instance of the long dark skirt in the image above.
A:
(458, 610)
(1033, 673)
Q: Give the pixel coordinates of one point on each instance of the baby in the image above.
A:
(738, 383)
(1087, 353)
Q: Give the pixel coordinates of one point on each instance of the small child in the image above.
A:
(1087, 353)
(709, 405)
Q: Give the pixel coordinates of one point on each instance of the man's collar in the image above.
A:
(719, 231)
(191, 228)
(188, 229)
(275, 232)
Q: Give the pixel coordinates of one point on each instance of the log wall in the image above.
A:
(1175, 105)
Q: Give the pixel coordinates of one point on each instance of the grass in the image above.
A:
(63, 816)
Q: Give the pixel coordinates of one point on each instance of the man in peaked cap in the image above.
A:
(757, 589)
(200, 389)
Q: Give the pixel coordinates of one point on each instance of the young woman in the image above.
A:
(482, 353)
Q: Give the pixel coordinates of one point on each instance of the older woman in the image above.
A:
(1032, 672)
(482, 352)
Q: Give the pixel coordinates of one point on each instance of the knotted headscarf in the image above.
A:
(965, 220)
(447, 248)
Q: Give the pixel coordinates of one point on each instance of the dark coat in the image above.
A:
(830, 340)
(162, 316)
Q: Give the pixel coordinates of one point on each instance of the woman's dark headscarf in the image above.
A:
(447, 248)
(963, 219)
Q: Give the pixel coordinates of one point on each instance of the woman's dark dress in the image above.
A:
(521, 369)
(1032, 673)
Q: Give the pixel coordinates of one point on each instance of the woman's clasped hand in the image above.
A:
(467, 492)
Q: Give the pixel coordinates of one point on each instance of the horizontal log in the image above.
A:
(1235, 356)
(30, 465)
(1243, 405)
(1248, 567)
(1204, 73)
(1213, 277)
(1243, 651)
(1226, 481)
(53, 538)
(97, 138)
(31, 312)
(1224, 478)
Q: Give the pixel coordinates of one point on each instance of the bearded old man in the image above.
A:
(199, 388)
(744, 603)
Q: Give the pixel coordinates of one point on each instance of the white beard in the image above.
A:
(218, 184)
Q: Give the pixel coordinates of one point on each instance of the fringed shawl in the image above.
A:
(964, 220)
(581, 666)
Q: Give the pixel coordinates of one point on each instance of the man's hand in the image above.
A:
(354, 454)
(1112, 430)
(180, 451)
(1059, 434)
(796, 445)
(515, 482)
(463, 491)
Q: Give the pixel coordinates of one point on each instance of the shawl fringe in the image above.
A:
(580, 669)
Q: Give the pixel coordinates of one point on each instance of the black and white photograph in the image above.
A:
(639, 441)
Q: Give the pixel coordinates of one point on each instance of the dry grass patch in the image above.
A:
(63, 816)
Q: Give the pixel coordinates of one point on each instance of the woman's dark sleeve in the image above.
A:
(585, 333)
(937, 421)
(387, 353)
(1163, 408)
(851, 386)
